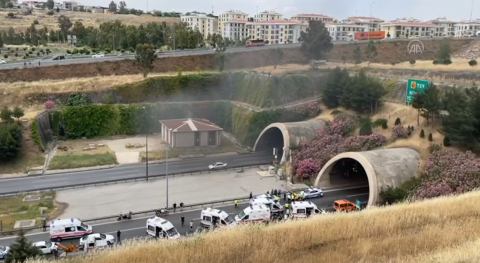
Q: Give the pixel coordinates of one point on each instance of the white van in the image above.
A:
(275, 207)
(257, 213)
(68, 228)
(159, 227)
(304, 209)
(214, 218)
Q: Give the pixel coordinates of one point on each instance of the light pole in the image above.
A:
(146, 145)
(166, 172)
(471, 11)
(371, 5)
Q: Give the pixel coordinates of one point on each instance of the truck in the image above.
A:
(255, 43)
(366, 35)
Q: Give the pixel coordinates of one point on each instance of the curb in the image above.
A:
(63, 172)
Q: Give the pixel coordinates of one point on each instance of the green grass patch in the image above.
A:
(21, 164)
(81, 160)
(13, 208)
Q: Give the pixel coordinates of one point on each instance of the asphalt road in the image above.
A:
(130, 171)
(135, 228)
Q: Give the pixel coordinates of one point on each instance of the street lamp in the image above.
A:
(371, 5)
(166, 171)
(146, 145)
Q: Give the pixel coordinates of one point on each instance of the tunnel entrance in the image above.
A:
(270, 139)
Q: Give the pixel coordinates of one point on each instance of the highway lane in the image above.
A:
(130, 171)
(135, 228)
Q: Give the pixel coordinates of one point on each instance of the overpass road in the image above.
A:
(135, 228)
(129, 171)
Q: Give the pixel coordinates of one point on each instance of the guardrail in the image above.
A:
(126, 180)
(152, 212)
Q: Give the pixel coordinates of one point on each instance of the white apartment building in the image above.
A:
(206, 24)
(340, 31)
(232, 22)
(267, 16)
(69, 5)
(372, 23)
(406, 29)
(235, 29)
(276, 32)
(305, 18)
(448, 26)
(467, 29)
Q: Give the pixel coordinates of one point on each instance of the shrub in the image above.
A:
(77, 99)
(35, 22)
(434, 147)
(335, 112)
(5, 56)
(308, 110)
(435, 62)
(365, 130)
(107, 51)
(398, 131)
(16, 54)
(393, 63)
(412, 62)
(380, 123)
(342, 124)
(33, 49)
(447, 62)
(69, 52)
(38, 54)
(422, 134)
(307, 169)
(24, 57)
(10, 141)
(472, 62)
(87, 52)
(50, 13)
(49, 104)
(430, 137)
(397, 121)
(446, 141)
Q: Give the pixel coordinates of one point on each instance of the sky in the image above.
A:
(386, 9)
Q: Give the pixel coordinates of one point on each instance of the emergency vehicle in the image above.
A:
(303, 209)
(275, 207)
(215, 218)
(257, 213)
(68, 228)
(159, 227)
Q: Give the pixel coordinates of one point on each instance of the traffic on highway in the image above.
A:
(73, 234)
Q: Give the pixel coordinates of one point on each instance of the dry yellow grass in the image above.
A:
(438, 230)
(458, 64)
(88, 19)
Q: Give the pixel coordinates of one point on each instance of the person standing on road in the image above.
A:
(183, 220)
(236, 203)
(181, 206)
(44, 225)
(251, 195)
(174, 207)
(191, 225)
(39, 63)
(118, 236)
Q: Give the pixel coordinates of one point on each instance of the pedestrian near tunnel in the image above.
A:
(174, 207)
(183, 220)
(44, 225)
(118, 236)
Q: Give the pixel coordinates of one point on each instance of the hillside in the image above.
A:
(22, 22)
(437, 230)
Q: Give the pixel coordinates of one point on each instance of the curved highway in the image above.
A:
(130, 171)
(135, 228)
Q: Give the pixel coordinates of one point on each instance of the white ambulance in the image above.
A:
(68, 228)
(257, 213)
(159, 227)
(210, 217)
(303, 209)
(275, 207)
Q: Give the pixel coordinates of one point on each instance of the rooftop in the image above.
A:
(314, 15)
(362, 18)
(276, 22)
(189, 124)
(409, 23)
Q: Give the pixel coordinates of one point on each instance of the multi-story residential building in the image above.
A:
(372, 23)
(232, 22)
(207, 24)
(340, 31)
(235, 29)
(230, 16)
(467, 29)
(69, 5)
(448, 26)
(406, 29)
(304, 18)
(267, 16)
(276, 32)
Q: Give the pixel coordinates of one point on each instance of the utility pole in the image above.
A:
(371, 5)
(146, 145)
(471, 11)
(166, 172)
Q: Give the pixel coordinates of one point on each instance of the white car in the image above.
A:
(46, 246)
(3, 62)
(98, 236)
(308, 193)
(98, 56)
(3, 251)
(217, 165)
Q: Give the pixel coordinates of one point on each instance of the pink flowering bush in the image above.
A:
(342, 124)
(307, 169)
(49, 104)
(308, 110)
(448, 171)
(398, 131)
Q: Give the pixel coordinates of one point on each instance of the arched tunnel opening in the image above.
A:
(348, 174)
(270, 139)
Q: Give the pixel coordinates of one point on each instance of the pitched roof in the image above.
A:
(188, 125)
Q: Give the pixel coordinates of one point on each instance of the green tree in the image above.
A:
(446, 141)
(365, 126)
(77, 99)
(430, 137)
(145, 56)
(275, 56)
(50, 4)
(337, 79)
(357, 55)
(431, 103)
(18, 112)
(363, 94)
(371, 51)
(398, 121)
(112, 7)
(64, 24)
(58, 10)
(316, 41)
(418, 102)
(443, 53)
(22, 250)
(10, 141)
(122, 9)
(422, 134)
(220, 58)
(6, 114)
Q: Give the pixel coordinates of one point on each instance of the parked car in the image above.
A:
(46, 246)
(98, 56)
(3, 62)
(308, 193)
(217, 165)
(3, 251)
(59, 57)
(98, 236)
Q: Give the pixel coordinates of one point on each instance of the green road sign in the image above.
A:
(359, 204)
(413, 86)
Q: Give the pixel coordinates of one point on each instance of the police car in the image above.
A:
(97, 236)
(308, 193)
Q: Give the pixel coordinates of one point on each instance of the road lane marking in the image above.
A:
(357, 195)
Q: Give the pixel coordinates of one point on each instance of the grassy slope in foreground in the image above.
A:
(439, 230)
